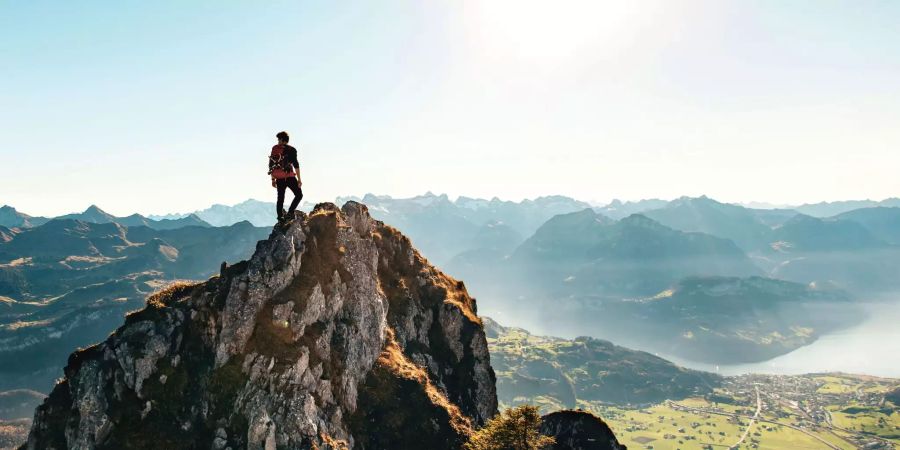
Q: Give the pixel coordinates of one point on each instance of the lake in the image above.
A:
(870, 348)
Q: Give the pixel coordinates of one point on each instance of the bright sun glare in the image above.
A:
(543, 32)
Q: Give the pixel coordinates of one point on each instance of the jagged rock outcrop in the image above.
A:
(335, 334)
(579, 430)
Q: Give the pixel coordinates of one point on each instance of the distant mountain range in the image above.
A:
(857, 250)
(618, 209)
(639, 263)
(590, 269)
(446, 228)
(587, 252)
(67, 283)
(882, 222)
(829, 209)
(741, 225)
(258, 213)
(521, 214)
(443, 229)
(688, 294)
(11, 218)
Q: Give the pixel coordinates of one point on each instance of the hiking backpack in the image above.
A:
(278, 161)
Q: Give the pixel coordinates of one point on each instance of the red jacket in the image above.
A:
(283, 162)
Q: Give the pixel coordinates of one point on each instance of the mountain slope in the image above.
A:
(68, 283)
(65, 254)
(618, 209)
(584, 252)
(708, 216)
(710, 319)
(191, 220)
(806, 233)
(882, 222)
(96, 215)
(838, 251)
(259, 213)
(444, 229)
(726, 320)
(11, 218)
(559, 372)
(829, 209)
(7, 234)
(336, 333)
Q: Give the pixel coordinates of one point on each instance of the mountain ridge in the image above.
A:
(68, 283)
(10, 217)
(336, 296)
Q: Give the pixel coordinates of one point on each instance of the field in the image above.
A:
(833, 411)
(651, 403)
(663, 427)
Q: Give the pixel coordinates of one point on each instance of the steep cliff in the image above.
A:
(335, 334)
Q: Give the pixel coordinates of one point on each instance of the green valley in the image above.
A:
(653, 404)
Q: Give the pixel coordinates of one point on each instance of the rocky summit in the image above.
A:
(337, 333)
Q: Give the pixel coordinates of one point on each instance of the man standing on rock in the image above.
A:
(285, 172)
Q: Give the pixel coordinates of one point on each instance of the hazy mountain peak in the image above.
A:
(807, 233)
(641, 220)
(10, 217)
(800, 218)
(373, 198)
(618, 209)
(828, 209)
(569, 222)
(697, 201)
(251, 202)
(430, 198)
(882, 221)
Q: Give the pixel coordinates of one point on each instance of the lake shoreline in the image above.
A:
(868, 348)
(871, 347)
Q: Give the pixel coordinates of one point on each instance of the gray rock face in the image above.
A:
(294, 348)
(579, 430)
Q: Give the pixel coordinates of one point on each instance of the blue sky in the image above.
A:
(171, 106)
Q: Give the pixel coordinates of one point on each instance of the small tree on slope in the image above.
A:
(513, 429)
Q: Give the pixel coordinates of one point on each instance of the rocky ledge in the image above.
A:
(337, 333)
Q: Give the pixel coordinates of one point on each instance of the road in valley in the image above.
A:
(752, 420)
(756, 417)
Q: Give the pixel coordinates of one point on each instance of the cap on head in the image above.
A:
(283, 136)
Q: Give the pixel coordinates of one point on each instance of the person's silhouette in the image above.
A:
(285, 172)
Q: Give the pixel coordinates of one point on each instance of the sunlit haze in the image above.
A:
(172, 106)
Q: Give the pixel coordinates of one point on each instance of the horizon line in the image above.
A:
(454, 199)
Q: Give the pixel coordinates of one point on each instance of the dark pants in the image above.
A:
(287, 183)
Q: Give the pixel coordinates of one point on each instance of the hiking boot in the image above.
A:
(285, 221)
